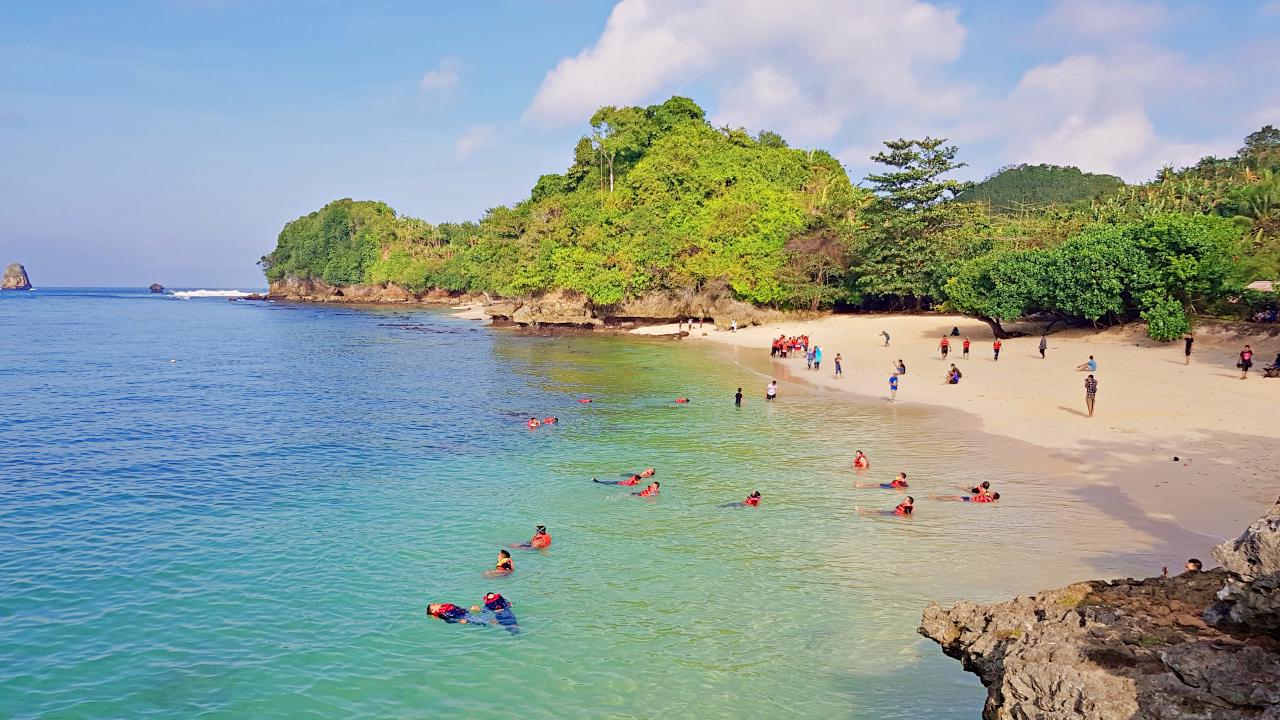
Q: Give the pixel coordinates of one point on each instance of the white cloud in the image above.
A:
(804, 68)
(1102, 18)
(443, 76)
(472, 139)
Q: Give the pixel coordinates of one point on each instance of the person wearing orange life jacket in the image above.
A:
(633, 480)
(552, 420)
(860, 460)
(753, 500)
(650, 491)
(898, 482)
(541, 540)
(452, 614)
(648, 472)
(504, 567)
(533, 423)
(981, 497)
(906, 507)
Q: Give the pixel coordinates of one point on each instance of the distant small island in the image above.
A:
(15, 278)
(156, 288)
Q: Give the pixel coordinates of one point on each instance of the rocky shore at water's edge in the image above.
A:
(15, 278)
(556, 309)
(1197, 645)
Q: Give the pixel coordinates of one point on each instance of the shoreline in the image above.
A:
(1151, 407)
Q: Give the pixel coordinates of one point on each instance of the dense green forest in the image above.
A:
(659, 199)
(1023, 187)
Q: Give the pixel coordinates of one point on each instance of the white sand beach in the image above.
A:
(1150, 406)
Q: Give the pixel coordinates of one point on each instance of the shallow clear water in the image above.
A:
(255, 529)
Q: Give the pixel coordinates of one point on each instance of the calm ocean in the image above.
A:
(255, 529)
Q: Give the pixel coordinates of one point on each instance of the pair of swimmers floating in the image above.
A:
(495, 611)
(535, 422)
(633, 480)
(649, 491)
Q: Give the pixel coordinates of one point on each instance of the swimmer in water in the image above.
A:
(504, 567)
(977, 489)
(979, 498)
(533, 423)
(452, 614)
(860, 461)
(648, 472)
(541, 540)
(650, 491)
(898, 482)
(633, 480)
(753, 500)
(502, 615)
(906, 507)
(550, 420)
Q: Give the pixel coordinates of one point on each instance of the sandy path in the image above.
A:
(1150, 406)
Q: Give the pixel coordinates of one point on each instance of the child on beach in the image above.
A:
(1246, 362)
(965, 346)
(995, 346)
(893, 387)
(899, 368)
(1091, 365)
(839, 372)
(771, 391)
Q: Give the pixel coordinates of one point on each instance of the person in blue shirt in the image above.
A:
(1091, 365)
(893, 387)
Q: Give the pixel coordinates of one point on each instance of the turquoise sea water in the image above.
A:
(255, 529)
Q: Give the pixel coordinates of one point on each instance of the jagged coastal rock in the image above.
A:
(295, 289)
(1197, 645)
(156, 288)
(570, 309)
(15, 278)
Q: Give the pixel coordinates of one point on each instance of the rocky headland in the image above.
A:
(15, 278)
(156, 288)
(1203, 645)
(558, 309)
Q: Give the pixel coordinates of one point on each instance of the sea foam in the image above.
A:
(188, 294)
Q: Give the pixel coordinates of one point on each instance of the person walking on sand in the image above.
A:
(771, 392)
(945, 346)
(965, 347)
(886, 337)
(1246, 362)
(1090, 391)
(995, 346)
(733, 326)
(1044, 345)
(893, 387)
(808, 359)
(1188, 339)
(737, 398)
(839, 372)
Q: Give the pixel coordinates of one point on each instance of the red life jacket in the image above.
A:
(982, 498)
(902, 509)
(752, 501)
(540, 541)
(648, 492)
(532, 424)
(633, 480)
(898, 483)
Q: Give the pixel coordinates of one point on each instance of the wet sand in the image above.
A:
(1150, 408)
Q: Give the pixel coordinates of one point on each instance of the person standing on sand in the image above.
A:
(817, 357)
(839, 372)
(771, 392)
(737, 398)
(1188, 339)
(808, 359)
(1090, 390)
(995, 346)
(886, 337)
(965, 347)
(945, 346)
(733, 326)
(1246, 362)
(893, 387)
(1044, 345)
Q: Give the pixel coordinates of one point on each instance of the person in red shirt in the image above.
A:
(753, 500)
(965, 346)
(995, 346)
(945, 346)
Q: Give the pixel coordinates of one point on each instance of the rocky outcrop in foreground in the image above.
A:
(1198, 645)
(15, 278)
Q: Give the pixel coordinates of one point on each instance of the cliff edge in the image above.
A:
(1201, 645)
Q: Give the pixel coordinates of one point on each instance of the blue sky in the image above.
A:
(169, 141)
